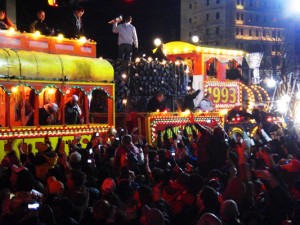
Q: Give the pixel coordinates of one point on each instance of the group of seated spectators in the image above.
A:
(198, 176)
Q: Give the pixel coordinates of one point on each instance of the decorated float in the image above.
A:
(209, 69)
(38, 70)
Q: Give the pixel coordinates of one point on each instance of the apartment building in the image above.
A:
(250, 25)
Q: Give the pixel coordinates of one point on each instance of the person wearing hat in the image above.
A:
(73, 112)
(127, 37)
(188, 101)
(48, 114)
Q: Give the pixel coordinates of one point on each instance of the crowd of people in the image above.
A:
(201, 175)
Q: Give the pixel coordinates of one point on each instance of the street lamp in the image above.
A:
(195, 39)
(157, 42)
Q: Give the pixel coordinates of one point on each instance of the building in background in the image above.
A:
(250, 25)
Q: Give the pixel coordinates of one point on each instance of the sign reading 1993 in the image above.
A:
(225, 94)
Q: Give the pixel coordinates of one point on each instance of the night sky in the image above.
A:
(152, 18)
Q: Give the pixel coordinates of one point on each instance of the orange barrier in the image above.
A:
(48, 44)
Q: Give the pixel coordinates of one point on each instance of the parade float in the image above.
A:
(37, 70)
(208, 69)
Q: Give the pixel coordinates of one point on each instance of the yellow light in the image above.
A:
(51, 91)
(124, 76)
(137, 60)
(186, 113)
(68, 92)
(177, 63)
(185, 50)
(241, 7)
(11, 29)
(198, 49)
(124, 101)
(37, 33)
(14, 89)
(223, 112)
(60, 37)
(150, 59)
(52, 3)
(175, 50)
(82, 39)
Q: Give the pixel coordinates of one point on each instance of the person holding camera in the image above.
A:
(127, 37)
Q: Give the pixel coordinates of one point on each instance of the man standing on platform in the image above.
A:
(127, 37)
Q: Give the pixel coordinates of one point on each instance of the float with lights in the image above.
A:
(32, 76)
(208, 67)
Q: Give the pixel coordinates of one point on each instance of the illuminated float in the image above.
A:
(32, 77)
(208, 66)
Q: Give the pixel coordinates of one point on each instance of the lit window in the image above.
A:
(237, 31)
(242, 31)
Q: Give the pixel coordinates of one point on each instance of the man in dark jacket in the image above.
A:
(155, 103)
(188, 102)
(40, 25)
(73, 28)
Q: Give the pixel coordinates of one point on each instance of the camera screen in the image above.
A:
(33, 206)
